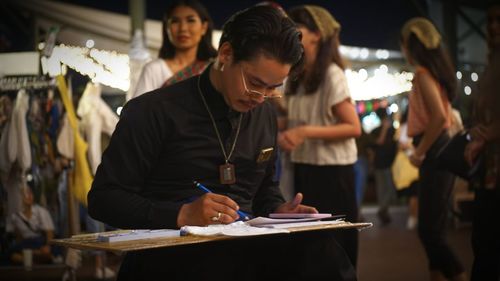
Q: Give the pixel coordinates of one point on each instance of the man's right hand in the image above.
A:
(208, 209)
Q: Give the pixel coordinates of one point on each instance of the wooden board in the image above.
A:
(89, 241)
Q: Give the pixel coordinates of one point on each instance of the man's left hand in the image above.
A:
(294, 206)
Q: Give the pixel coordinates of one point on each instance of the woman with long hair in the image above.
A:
(186, 48)
(322, 123)
(429, 117)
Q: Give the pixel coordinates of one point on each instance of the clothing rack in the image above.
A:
(15, 83)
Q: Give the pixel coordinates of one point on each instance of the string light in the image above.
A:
(467, 90)
(105, 67)
(382, 84)
(113, 69)
(474, 77)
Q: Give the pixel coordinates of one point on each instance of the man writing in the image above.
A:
(217, 129)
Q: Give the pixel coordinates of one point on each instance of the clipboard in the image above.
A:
(91, 242)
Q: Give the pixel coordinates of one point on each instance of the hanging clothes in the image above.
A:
(16, 154)
(82, 177)
(18, 139)
(96, 118)
(66, 140)
(6, 114)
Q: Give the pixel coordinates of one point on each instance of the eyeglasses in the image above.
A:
(256, 94)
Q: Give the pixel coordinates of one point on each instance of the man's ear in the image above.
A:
(225, 53)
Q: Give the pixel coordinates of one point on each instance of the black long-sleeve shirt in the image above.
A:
(165, 140)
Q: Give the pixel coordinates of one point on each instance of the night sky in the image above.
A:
(366, 23)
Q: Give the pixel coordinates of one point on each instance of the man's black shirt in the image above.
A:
(165, 140)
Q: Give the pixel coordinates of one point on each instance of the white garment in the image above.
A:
(316, 109)
(153, 75)
(404, 138)
(96, 118)
(66, 139)
(40, 220)
(18, 143)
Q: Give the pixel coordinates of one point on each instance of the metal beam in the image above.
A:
(470, 31)
(471, 23)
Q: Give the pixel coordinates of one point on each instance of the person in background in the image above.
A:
(33, 229)
(186, 48)
(486, 142)
(362, 167)
(385, 148)
(404, 173)
(323, 123)
(217, 129)
(429, 117)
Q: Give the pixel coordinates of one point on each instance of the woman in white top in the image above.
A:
(187, 41)
(322, 123)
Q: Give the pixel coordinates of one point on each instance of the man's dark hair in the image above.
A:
(206, 50)
(264, 30)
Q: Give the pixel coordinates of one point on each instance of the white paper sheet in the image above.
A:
(238, 228)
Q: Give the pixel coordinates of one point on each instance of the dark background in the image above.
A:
(367, 23)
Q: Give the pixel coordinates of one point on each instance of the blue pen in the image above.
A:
(243, 215)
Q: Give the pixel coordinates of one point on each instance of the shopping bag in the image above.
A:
(403, 172)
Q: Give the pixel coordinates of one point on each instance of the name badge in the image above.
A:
(265, 155)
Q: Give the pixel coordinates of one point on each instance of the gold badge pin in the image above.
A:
(265, 154)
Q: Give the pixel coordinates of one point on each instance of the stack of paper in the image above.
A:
(137, 234)
(290, 218)
(277, 223)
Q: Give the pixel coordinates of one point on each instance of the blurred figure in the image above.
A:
(186, 49)
(362, 167)
(322, 123)
(486, 141)
(33, 229)
(405, 175)
(429, 117)
(385, 148)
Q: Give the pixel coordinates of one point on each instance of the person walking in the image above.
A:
(429, 117)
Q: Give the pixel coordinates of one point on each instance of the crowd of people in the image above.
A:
(212, 116)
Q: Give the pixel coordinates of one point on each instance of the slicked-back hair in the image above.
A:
(205, 50)
(264, 30)
(328, 52)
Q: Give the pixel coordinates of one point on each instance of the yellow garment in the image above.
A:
(82, 177)
(403, 172)
(425, 31)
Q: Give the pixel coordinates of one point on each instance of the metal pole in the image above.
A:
(137, 11)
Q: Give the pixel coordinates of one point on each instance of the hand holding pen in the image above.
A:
(206, 208)
(242, 215)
